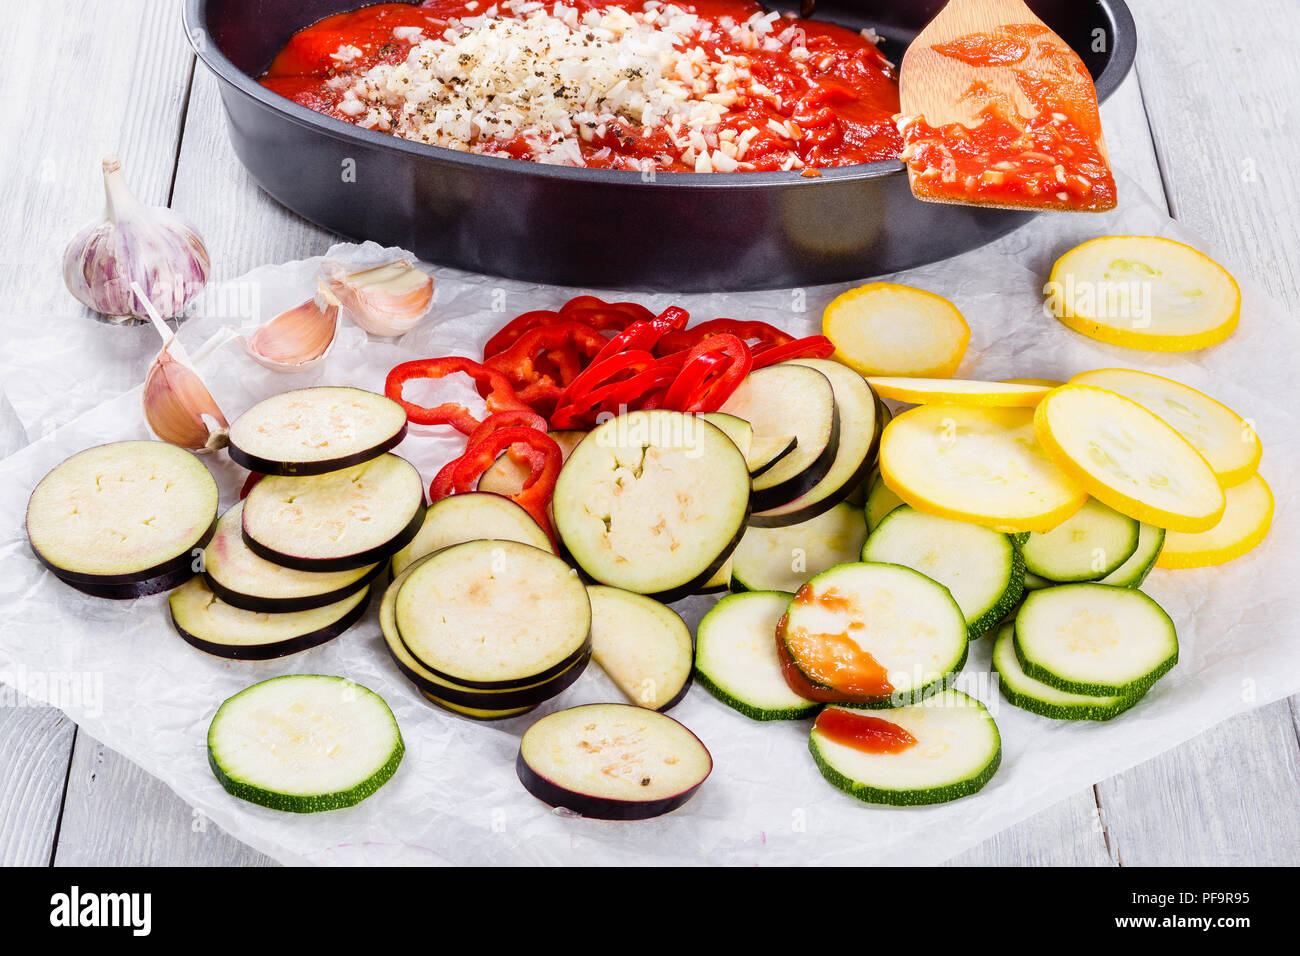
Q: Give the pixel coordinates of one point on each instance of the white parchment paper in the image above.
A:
(455, 798)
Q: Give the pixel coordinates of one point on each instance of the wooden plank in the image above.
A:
(117, 814)
(1067, 834)
(1227, 796)
(35, 742)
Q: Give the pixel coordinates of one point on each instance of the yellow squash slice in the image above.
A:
(1144, 292)
(1225, 439)
(982, 465)
(1128, 458)
(957, 391)
(887, 329)
(1244, 524)
(1048, 382)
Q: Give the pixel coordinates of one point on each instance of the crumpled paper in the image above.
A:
(455, 799)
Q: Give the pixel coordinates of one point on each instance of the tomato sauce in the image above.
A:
(873, 735)
(829, 667)
(1054, 158)
(826, 97)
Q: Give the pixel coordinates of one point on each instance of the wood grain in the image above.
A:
(34, 746)
(115, 813)
(1067, 834)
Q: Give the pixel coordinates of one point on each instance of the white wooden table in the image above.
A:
(1208, 124)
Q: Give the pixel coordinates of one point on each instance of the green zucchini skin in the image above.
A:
(1132, 577)
(755, 713)
(1136, 687)
(303, 803)
(927, 796)
(1101, 708)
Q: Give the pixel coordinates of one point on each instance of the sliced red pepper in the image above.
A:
(528, 419)
(761, 334)
(501, 395)
(538, 487)
(510, 332)
(577, 405)
(519, 362)
(814, 346)
(713, 370)
(606, 316)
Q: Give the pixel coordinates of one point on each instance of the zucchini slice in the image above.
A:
(783, 401)
(1134, 571)
(1226, 440)
(1095, 639)
(880, 502)
(210, 624)
(887, 329)
(612, 762)
(957, 750)
(123, 519)
(304, 743)
(507, 476)
(311, 431)
(1046, 701)
(494, 615)
(872, 634)
(471, 516)
(243, 580)
(1144, 292)
(653, 502)
(982, 569)
(781, 559)
(338, 521)
(736, 659)
(860, 423)
(982, 465)
(1245, 523)
(952, 391)
(1126, 457)
(456, 697)
(643, 646)
(1087, 546)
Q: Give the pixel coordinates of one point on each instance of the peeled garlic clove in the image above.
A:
(151, 246)
(298, 339)
(179, 408)
(386, 300)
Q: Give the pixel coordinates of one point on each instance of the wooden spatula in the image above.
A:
(997, 110)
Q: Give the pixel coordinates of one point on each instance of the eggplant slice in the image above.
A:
(123, 520)
(339, 521)
(311, 431)
(494, 615)
(653, 502)
(243, 579)
(644, 646)
(612, 761)
(457, 697)
(470, 516)
(210, 624)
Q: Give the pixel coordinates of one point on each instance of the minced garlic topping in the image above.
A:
(554, 76)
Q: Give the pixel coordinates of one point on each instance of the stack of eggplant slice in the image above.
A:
(290, 567)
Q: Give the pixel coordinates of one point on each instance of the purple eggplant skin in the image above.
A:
(106, 585)
(267, 652)
(283, 605)
(375, 555)
(301, 469)
(507, 715)
(598, 808)
(815, 508)
(679, 696)
(127, 591)
(798, 485)
(503, 700)
(555, 670)
(794, 443)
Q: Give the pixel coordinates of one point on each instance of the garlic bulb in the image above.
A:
(179, 407)
(386, 300)
(149, 245)
(298, 339)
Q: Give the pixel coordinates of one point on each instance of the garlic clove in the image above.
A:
(179, 408)
(386, 300)
(298, 339)
(151, 246)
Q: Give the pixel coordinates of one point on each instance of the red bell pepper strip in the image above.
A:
(761, 333)
(510, 332)
(523, 454)
(501, 396)
(813, 346)
(577, 405)
(712, 371)
(606, 316)
(519, 362)
(538, 487)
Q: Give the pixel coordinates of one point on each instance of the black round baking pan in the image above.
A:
(608, 228)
